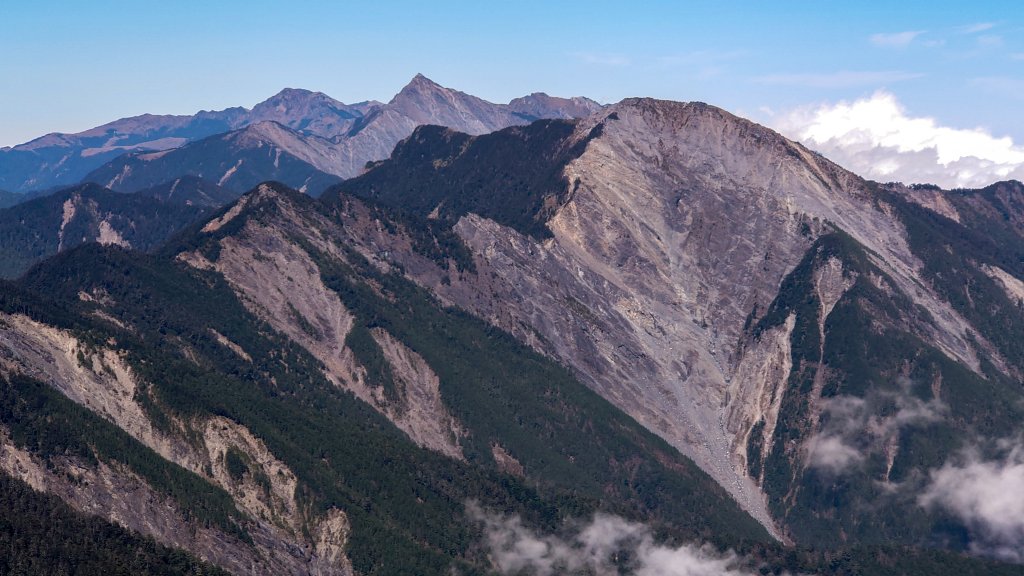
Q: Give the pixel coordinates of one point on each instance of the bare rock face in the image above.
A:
(679, 223)
(278, 280)
(126, 499)
(100, 380)
(419, 412)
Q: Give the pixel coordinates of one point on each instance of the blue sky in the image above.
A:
(67, 66)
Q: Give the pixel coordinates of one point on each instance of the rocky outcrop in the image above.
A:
(755, 395)
(419, 410)
(1013, 287)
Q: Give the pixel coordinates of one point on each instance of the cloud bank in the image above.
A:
(876, 138)
(988, 496)
(603, 547)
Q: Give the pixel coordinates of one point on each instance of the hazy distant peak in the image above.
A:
(421, 80)
(418, 86)
(541, 105)
(296, 96)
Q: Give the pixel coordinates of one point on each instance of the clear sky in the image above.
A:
(70, 65)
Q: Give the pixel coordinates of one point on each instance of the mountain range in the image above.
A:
(541, 337)
(314, 136)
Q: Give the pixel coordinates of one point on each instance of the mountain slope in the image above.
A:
(664, 241)
(322, 385)
(192, 191)
(38, 228)
(40, 534)
(661, 311)
(235, 161)
(8, 199)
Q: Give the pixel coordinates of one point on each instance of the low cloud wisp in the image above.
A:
(856, 426)
(603, 547)
(896, 39)
(987, 495)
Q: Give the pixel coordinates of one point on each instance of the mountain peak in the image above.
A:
(290, 99)
(419, 84)
(542, 105)
(421, 79)
(679, 114)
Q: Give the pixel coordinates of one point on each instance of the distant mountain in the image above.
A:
(424, 102)
(192, 191)
(540, 105)
(239, 160)
(63, 159)
(307, 112)
(355, 133)
(44, 226)
(235, 161)
(8, 199)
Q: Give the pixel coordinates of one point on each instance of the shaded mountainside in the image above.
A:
(8, 199)
(38, 228)
(513, 176)
(63, 159)
(40, 534)
(357, 133)
(236, 161)
(192, 191)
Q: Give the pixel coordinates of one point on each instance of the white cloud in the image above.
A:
(896, 39)
(602, 59)
(853, 427)
(1017, 56)
(515, 548)
(988, 496)
(841, 79)
(990, 40)
(975, 28)
(876, 138)
(831, 453)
